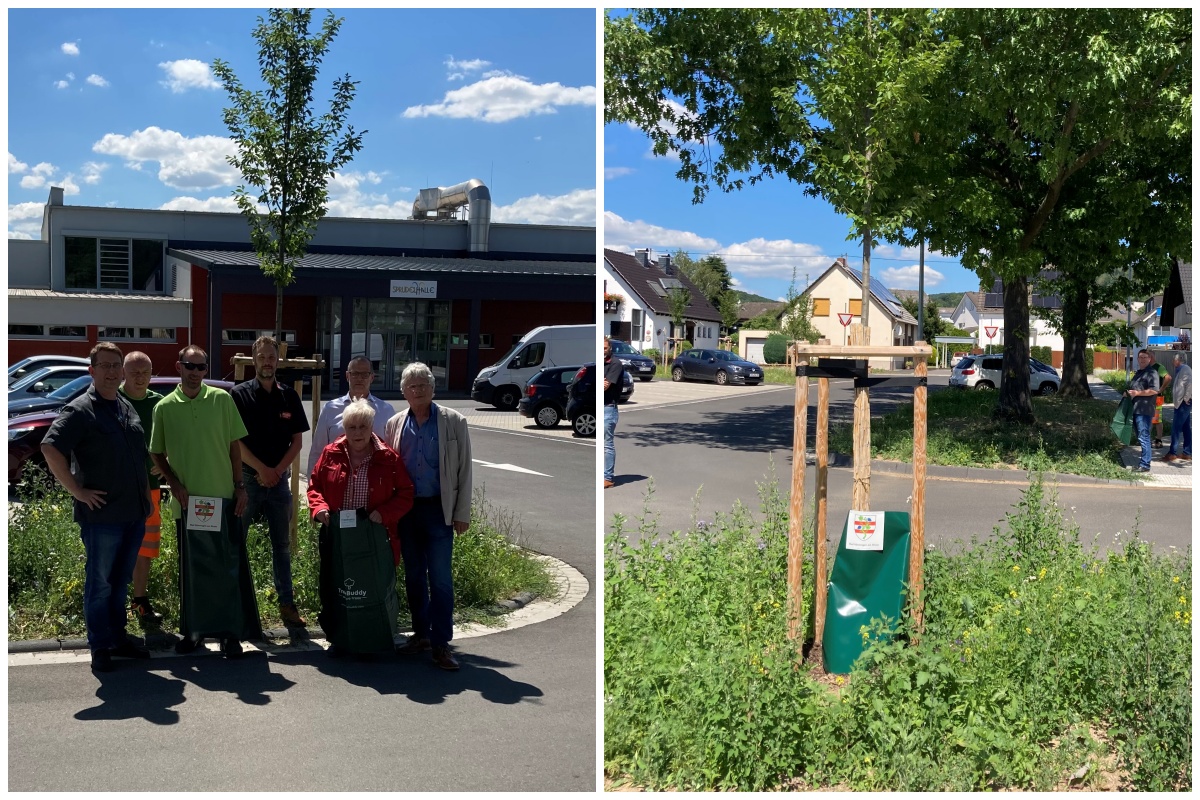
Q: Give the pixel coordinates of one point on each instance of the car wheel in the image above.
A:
(677, 374)
(506, 398)
(585, 424)
(646, 378)
(722, 377)
(1047, 389)
(984, 386)
(546, 417)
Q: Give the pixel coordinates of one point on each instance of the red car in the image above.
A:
(25, 433)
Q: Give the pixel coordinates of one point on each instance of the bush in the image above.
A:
(652, 352)
(1041, 353)
(1038, 655)
(46, 568)
(775, 349)
(1089, 360)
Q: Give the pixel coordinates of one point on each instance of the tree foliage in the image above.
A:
(677, 301)
(286, 153)
(796, 322)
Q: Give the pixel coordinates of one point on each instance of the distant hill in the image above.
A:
(749, 297)
(941, 300)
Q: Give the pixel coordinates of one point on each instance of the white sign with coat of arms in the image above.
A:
(865, 530)
(204, 513)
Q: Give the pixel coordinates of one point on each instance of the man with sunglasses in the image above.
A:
(359, 375)
(97, 451)
(195, 442)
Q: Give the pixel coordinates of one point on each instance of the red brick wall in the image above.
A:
(162, 355)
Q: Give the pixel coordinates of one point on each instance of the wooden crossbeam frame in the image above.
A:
(860, 499)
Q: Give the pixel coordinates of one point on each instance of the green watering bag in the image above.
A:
(363, 578)
(1122, 421)
(216, 590)
(865, 584)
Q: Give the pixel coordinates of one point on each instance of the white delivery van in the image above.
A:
(548, 346)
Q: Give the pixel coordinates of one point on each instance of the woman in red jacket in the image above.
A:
(357, 471)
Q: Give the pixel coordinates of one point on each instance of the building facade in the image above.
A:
(454, 293)
(637, 306)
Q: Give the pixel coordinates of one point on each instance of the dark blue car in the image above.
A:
(721, 366)
(637, 365)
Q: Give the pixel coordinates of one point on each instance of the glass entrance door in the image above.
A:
(394, 333)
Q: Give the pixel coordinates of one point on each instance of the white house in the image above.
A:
(838, 291)
(636, 307)
(982, 313)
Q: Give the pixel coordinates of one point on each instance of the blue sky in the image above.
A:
(120, 108)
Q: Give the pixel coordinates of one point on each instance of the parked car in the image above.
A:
(721, 366)
(25, 432)
(641, 366)
(581, 401)
(983, 372)
(547, 346)
(34, 404)
(27, 365)
(545, 397)
(44, 380)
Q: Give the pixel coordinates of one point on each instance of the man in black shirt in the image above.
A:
(275, 424)
(1143, 388)
(614, 380)
(102, 436)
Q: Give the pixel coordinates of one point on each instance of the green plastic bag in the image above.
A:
(1122, 421)
(864, 585)
(362, 591)
(216, 589)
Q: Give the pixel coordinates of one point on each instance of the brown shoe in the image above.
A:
(445, 659)
(414, 646)
(608, 484)
(1185, 458)
(290, 616)
(1169, 457)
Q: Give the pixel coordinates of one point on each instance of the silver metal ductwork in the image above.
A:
(443, 201)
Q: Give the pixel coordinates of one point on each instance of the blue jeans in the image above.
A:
(275, 503)
(427, 545)
(1142, 423)
(610, 447)
(111, 552)
(1181, 429)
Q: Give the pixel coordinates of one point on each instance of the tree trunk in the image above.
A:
(1015, 404)
(1075, 336)
(279, 314)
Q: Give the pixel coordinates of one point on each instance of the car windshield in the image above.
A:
(964, 362)
(29, 378)
(621, 348)
(69, 390)
(24, 362)
(725, 355)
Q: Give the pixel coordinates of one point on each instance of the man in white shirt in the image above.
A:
(328, 428)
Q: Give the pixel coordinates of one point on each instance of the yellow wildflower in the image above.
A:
(1016, 567)
(1028, 631)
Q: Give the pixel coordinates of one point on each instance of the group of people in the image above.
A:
(115, 444)
(1146, 389)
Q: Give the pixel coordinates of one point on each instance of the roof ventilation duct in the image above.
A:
(443, 201)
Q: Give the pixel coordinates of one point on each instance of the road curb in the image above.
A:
(520, 610)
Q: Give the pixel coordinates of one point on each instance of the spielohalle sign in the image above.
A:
(416, 290)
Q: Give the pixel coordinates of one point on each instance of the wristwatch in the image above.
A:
(239, 485)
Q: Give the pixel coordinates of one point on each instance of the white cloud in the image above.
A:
(70, 48)
(25, 221)
(45, 169)
(32, 181)
(41, 174)
(194, 163)
(188, 73)
(627, 236)
(457, 70)
(616, 172)
(577, 207)
(15, 167)
(775, 258)
(70, 76)
(505, 98)
(61, 84)
(96, 80)
(224, 203)
(908, 277)
(92, 171)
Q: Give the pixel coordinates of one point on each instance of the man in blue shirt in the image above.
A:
(359, 375)
(435, 446)
(1143, 388)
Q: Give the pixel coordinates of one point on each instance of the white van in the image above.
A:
(548, 346)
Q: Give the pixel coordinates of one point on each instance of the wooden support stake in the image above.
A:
(795, 559)
(916, 548)
(294, 525)
(820, 533)
(860, 499)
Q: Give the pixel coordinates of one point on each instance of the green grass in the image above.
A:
(46, 569)
(1040, 653)
(1070, 435)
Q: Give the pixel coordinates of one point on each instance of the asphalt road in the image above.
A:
(704, 448)
(519, 716)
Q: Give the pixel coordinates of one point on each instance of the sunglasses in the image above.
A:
(188, 366)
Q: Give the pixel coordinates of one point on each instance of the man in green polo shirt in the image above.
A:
(195, 444)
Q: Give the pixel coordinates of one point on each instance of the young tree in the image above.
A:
(730, 307)
(677, 301)
(285, 152)
(797, 319)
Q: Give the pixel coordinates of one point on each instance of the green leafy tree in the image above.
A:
(678, 301)
(286, 153)
(796, 322)
(709, 274)
(730, 307)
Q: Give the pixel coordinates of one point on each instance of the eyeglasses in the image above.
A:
(358, 374)
(418, 387)
(108, 365)
(188, 366)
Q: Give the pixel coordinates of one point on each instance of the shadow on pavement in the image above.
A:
(418, 679)
(131, 691)
(248, 678)
(621, 480)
